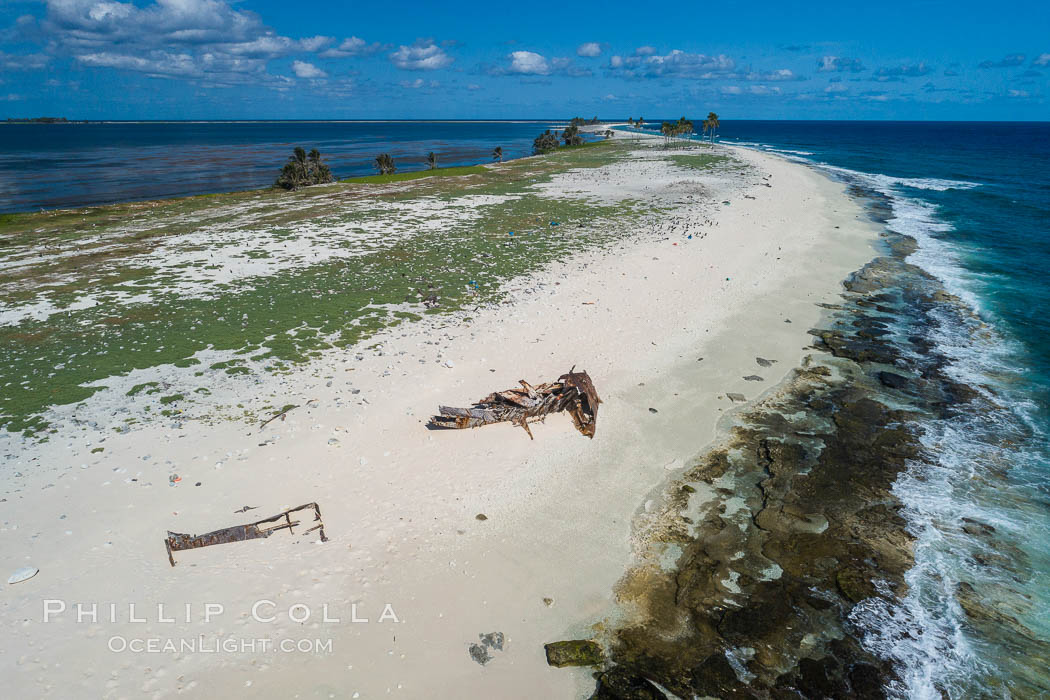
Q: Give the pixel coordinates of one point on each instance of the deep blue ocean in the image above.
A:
(976, 197)
(48, 166)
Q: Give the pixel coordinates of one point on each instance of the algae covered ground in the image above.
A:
(265, 279)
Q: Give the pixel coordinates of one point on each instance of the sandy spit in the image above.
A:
(663, 322)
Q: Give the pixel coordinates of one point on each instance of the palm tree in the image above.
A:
(304, 169)
(384, 164)
(572, 136)
(713, 122)
(432, 160)
(497, 154)
(630, 121)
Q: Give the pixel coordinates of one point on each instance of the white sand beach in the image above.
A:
(660, 322)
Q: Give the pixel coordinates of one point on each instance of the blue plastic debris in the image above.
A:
(554, 223)
(510, 233)
(690, 236)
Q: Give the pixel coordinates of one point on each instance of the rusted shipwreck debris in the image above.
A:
(260, 529)
(573, 392)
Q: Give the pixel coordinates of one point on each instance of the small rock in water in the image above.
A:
(763, 362)
(753, 378)
(735, 397)
(481, 516)
(549, 602)
(653, 410)
(23, 574)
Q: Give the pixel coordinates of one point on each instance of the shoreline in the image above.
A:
(400, 502)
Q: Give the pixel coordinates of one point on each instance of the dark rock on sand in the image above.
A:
(620, 683)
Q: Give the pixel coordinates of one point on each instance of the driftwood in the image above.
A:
(573, 392)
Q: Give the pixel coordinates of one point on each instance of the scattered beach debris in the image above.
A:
(763, 362)
(481, 516)
(493, 641)
(753, 378)
(23, 574)
(549, 602)
(260, 529)
(574, 652)
(573, 392)
(282, 414)
(245, 509)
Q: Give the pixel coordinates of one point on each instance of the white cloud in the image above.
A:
(422, 55)
(836, 88)
(303, 69)
(528, 63)
(354, 46)
(776, 75)
(202, 40)
(315, 43)
(732, 90)
(419, 83)
(589, 49)
(838, 64)
(677, 64)
(1042, 59)
(30, 61)
(1018, 93)
(473, 86)
(10, 97)
(644, 51)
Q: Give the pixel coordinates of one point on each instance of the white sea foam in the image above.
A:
(926, 633)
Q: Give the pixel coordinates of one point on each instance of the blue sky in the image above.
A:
(254, 59)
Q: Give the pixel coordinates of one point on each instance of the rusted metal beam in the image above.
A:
(260, 529)
(573, 392)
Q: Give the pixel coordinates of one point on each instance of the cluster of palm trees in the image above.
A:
(638, 122)
(304, 169)
(711, 124)
(672, 130)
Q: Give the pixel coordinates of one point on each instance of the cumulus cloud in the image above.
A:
(1042, 59)
(424, 54)
(589, 49)
(207, 40)
(761, 90)
(770, 76)
(532, 63)
(315, 43)
(644, 51)
(528, 63)
(354, 46)
(29, 61)
(303, 69)
(677, 64)
(1018, 93)
(419, 83)
(839, 64)
(1010, 61)
(908, 70)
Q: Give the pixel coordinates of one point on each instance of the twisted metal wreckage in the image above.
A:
(573, 392)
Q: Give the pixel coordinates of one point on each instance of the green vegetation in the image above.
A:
(152, 272)
(457, 171)
(384, 164)
(547, 142)
(304, 169)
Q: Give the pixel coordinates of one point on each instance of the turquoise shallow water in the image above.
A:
(976, 197)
